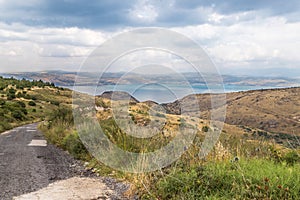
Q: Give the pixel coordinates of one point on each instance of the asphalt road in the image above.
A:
(28, 163)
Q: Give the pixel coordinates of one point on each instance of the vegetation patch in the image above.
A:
(24, 101)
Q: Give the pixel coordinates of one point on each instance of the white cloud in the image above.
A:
(236, 40)
(72, 36)
(12, 3)
(265, 40)
(23, 47)
(215, 18)
(51, 50)
(143, 12)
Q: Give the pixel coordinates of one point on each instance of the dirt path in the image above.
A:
(28, 164)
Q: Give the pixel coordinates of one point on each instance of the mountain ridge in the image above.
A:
(64, 78)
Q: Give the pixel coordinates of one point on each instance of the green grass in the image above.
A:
(245, 179)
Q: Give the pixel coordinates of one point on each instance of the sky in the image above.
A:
(245, 37)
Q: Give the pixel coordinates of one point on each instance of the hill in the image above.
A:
(273, 110)
(245, 163)
(23, 101)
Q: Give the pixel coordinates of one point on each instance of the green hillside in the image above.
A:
(23, 101)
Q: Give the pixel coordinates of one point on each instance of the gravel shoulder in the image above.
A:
(29, 165)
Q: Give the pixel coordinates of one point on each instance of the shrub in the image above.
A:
(291, 158)
(2, 102)
(27, 96)
(19, 87)
(31, 103)
(4, 126)
(205, 129)
(34, 98)
(2, 112)
(74, 146)
(11, 91)
(17, 115)
(56, 103)
(63, 115)
(24, 111)
(11, 96)
(19, 95)
(22, 104)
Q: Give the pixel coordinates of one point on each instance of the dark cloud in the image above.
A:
(189, 12)
(231, 6)
(81, 13)
(92, 13)
(107, 14)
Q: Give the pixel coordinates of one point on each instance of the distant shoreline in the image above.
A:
(158, 96)
(142, 86)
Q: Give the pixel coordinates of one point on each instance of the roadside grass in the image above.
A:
(59, 130)
(243, 179)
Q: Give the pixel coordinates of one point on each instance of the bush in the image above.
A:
(11, 91)
(17, 115)
(22, 104)
(31, 103)
(24, 111)
(34, 98)
(2, 102)
(74, 146)
(56, 103)
(205, 129)
(11, 96)
(2, 113)
(4, 126)
(19, 95)
(27, 96)
(292, 158)
(62, 115)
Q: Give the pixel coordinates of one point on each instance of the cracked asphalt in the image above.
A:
(28, 165)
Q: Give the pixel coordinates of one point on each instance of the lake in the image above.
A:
(164, 94)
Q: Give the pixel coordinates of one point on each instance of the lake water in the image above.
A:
(163, 94)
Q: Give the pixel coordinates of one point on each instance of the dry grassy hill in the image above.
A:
(273, 110)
